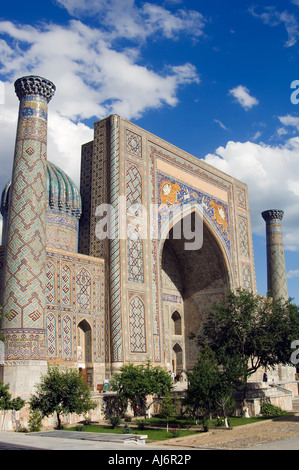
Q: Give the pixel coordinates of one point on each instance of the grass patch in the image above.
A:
(186, 427)
(187, 423)
(234, 422)
(153, 434)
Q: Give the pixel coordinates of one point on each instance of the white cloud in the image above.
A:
(242, 95)
(8, 120)
(289, 120)
(64, 138)
(281, 131)
(293, 273)
(64, 144)
(256, 136)
(272, 175)
(220, 123)
(123, 18)
(171, 24)
(91, 77)
(92, 80)
(270, 16)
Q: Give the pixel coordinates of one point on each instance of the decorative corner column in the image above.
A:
(115, 270)
(276, 269)
(23, 298)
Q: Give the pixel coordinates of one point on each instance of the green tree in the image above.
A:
(133, 383)
(203, 380)
(62, 391)
(211, 386)
(7, 402)
(168, 407)
(252, 330)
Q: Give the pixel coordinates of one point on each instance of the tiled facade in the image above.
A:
(78, 298)
(135, 166)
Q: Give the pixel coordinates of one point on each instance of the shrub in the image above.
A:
(205, 423)
(141, 425)
(175, 432)
(114, 421)
(79, 427)
(220, 421)
(22, 429)
(126, 429)
(271, 411)
(35, 421)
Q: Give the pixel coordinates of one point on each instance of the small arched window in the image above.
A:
(176, 323)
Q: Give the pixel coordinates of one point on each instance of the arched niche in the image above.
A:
(84, 343)
(193, 280)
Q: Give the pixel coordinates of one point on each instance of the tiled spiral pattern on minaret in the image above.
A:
(115, 296)
(277, 278)
(25, 258)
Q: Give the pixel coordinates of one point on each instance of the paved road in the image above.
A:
(286, 444)
(67, 440)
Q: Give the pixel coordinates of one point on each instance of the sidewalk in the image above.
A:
(68, 440)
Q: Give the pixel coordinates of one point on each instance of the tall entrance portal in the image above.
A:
(156, 291)
(192, 280)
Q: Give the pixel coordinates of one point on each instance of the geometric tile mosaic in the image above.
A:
(67, 337)
(135, 258)
(65, 286)
(243, 237)
(133, 143)
(137, 325)
(83, 288)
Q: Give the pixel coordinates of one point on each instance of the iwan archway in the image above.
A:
(192, 280)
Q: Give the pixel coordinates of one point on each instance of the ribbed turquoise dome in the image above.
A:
(63, 195)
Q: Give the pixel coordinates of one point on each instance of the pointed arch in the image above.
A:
(84, 342)
(203, 278)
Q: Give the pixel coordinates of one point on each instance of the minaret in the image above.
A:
(276, 269)
(23, 301)
(277, 277)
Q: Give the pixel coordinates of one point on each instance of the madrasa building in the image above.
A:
(92, 292)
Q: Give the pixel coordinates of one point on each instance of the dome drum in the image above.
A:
(63, 209)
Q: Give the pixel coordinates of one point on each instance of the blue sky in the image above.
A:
(213, 78)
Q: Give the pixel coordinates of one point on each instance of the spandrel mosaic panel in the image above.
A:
(172, 193)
